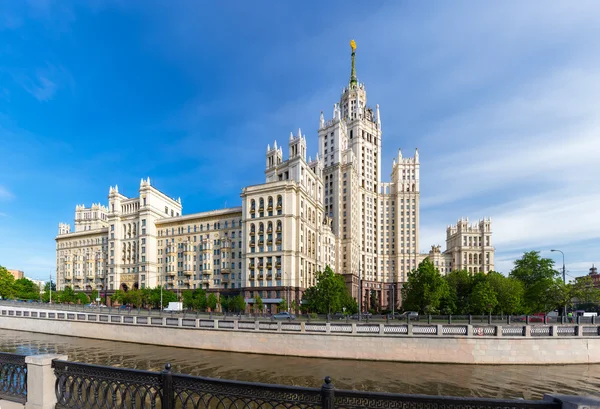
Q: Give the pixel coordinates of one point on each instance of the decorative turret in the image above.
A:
(321, 121)
(274, 156)
(297, 146)
(64, 228)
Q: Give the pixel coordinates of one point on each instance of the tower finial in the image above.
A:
(353, 80)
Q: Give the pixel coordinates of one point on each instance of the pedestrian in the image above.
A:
(570, 316)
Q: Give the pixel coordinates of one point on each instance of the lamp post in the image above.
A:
(50, 287)
(393, 299)
(564, 277)
(287, 290)
(359, 293)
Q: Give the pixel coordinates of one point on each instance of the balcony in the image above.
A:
(225, 278)
(278, 265)
(188, 273)
(269, 242)
(278, 230)
(269, 266)
(171, 274)
(278, 276)
(252, 243)
(261, 276)
(261, 209)
(253, 210)
(252, 277)
(251, 266)
(278, 206)
(261, 242)
(269, 276)
(252, 232)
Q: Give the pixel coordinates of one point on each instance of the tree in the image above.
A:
(25, 289)
(237, 303)
(67, 296)
(283, 305)
(83, 298)
(425, 290)
(258, 304)
(585, 292)
(212, 302)
(509, 293)
(538, 277)
(483, 298)
(225, 303)
(460, 285)
(7, 281)
(330, 295)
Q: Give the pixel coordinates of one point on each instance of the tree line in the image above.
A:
(21, 289)
(532, 286)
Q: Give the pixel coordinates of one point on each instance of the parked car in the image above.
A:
(411, 315)
(284, 316)
(339, 316)
(363, 315)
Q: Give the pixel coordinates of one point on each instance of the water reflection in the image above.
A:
(528, 382)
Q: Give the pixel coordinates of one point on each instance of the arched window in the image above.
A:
(261, 228)
(252, 228)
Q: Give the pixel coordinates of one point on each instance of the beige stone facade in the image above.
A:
(334, 210)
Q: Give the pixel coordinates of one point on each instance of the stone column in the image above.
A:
(40, 381)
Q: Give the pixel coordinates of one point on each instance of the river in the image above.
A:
(528, 382)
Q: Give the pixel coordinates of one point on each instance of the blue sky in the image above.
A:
(500, 98)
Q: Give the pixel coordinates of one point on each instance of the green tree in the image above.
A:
(330, 295)
(211, 302)
(483, 298)
(118, 297)
(585, 292)
(7, 281)
(294, 306)
(83, 298)
(283, 305)
(509, 293)
(25, 289)
(425, 290)
(258, 304)
(538, 277)
(67, 296)
(46, 294)
(225, 304)
(187, 297)
(460, 285)
(239, 303)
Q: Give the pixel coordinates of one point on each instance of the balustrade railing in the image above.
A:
(83, 386)
(13, 377)
(370, 327)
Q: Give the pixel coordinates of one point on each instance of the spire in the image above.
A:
(353, 80)
(321, 120)
(378, 118)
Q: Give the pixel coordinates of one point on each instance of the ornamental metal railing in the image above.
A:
(83, 386)
(13, 377)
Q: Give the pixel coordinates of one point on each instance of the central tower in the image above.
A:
(350, 145)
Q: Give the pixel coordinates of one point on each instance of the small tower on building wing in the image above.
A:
(297, 146)
(274, 156)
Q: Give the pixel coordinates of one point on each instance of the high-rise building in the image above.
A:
(334, 210)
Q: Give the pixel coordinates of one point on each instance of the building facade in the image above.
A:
(334, 210)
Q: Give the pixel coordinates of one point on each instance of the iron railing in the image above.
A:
(13, 377)
(83, 386)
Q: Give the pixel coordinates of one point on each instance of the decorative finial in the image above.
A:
(353, 80)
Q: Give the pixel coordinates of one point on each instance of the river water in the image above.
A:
(528, 382)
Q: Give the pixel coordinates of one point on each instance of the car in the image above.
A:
(339, 316)
(284, 316)
(411, 315)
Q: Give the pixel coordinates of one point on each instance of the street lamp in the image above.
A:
(564, 277)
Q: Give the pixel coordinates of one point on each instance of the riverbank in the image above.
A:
(457, 344)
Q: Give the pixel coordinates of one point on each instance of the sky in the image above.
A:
(500, 98)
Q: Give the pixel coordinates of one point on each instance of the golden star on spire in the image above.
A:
(353, 44)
